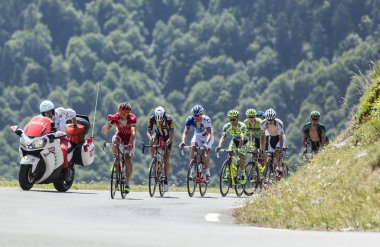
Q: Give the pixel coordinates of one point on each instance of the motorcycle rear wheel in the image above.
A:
(26, 178)
(62, 184)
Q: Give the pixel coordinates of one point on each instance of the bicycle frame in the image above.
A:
(198, 158)
(230, 153)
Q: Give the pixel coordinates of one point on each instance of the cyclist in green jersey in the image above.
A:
(253, 126)
(239, 134)
(315, 132)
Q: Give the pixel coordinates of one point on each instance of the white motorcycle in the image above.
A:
(38, 144)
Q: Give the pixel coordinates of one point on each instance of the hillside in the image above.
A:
(339, 189)
(294, 56)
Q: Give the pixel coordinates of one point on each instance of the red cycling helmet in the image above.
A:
(124, 108)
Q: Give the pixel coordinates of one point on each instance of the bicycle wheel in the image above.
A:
(225, 178)
(152, 177)
(114, 183)
(122, 181)
(253, 178)
(191, 178)
(203, 186)
(160, 179)
(239, 188)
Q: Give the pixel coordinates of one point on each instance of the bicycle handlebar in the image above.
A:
(229, 151)
(123, 146)
(189, 148)
(156, 146)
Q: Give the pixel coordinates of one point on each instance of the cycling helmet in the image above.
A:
(46, 106)
(315, 114)
(270, 114)
(123, 108)
(233, 114)
(260, 114)
(250, 112)
(159, 113)
(197, 109)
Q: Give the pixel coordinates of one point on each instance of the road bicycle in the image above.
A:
(196, 172)
(118, 170)
(271, 174)
(253, 173)
(230, 174)
(156, 167)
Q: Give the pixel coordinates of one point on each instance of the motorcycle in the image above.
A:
(39, 142)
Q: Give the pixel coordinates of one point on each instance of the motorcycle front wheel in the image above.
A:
(26, 178)
(64, 184)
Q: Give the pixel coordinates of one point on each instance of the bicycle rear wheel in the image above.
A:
(191, 178)
(152, 177)
(225, 178)
(253, 178)
(239, 188)
(114, 182)
(203, 186)
(268, 174)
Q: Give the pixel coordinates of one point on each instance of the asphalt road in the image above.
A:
(91, 218)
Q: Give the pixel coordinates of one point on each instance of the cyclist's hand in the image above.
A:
(182, 145)
(152, 138)
(130, 146)
(305, 150)
(111, 118)
(205, 146)
(168, 141)
(217, 149)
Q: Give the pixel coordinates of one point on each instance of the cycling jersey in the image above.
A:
(321, 129)
(200, 134)
(274, 133)
(256, 130)
(237, 133)
(61, 116)
(163, 128)
(124, 127)
(279, 127)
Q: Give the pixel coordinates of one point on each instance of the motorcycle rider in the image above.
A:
(59, 117)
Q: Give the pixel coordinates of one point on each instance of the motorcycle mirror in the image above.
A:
(16, 130)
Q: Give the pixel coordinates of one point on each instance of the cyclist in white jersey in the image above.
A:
(203, 135)
(275, 128)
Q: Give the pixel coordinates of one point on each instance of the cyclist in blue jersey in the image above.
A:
(203, 135)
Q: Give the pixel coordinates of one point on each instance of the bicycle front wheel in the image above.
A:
(160, 179)
(225, 178)
(114, 182)
(122, 181)
(203, 185)
(152, 177)
(239, 187)
(253, 178)
(191, 178)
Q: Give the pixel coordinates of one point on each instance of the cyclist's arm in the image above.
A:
(149, 133)
(133, 134)
(106, 128)
(171, 134)
(221, 141)
(262, 140)
(184, 134)
(208, 138)
(282, 141)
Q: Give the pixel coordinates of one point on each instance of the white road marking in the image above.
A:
(212, 217)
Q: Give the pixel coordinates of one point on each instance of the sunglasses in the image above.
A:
(233, 119)
(315, 119)
(251, 116)
(197, 115)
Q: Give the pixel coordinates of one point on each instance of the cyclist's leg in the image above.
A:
(166, 158)
(116, 140)
(128, 163)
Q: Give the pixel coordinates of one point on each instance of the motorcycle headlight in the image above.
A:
(39, 143)
(23, 142)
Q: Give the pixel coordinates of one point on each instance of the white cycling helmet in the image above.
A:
(270, 114)
(159, 113)
(46, 105)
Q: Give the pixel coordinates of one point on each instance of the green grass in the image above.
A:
(338, 190)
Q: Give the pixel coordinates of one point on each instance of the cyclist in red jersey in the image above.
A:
(125, 123)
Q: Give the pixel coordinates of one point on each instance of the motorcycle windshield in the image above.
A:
(38, 126)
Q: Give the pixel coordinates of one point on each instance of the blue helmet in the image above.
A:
(197, 109)
(260, 114)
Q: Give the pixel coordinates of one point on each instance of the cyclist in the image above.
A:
(125, 123)
(239, 133)
(315, 132)
(276, 140)
(162, 126)
(253, 126)
(203, 135)
(59, 117)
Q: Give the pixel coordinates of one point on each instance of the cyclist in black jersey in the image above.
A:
(161, 125)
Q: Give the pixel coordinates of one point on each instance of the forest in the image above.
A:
(295, 56)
